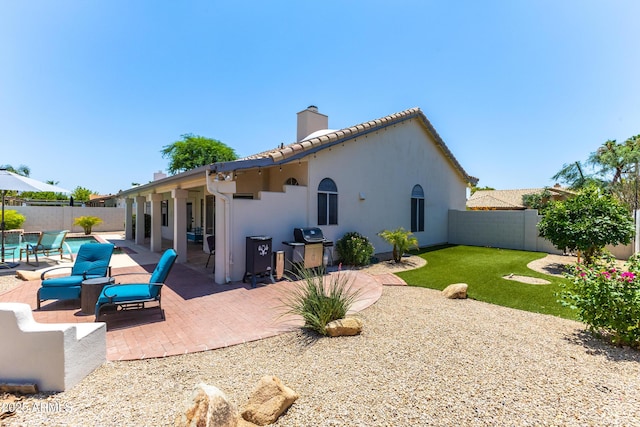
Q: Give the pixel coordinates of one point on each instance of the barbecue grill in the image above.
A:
(308, 247)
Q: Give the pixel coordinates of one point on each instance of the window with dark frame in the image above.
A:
(164, 212)
(327, 202)
(417, 209)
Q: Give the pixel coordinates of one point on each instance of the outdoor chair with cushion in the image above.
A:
(92, 261)
(128, 296)
(49, 242)
(195, 235)
(12, 241)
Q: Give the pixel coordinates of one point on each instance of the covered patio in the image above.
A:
(200, 314)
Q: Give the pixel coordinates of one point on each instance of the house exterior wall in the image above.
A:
(383, 167)
(40, 218)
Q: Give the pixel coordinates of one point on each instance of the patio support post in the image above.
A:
(156, 222)
(140, 201)
(128, 218)
(180, 223)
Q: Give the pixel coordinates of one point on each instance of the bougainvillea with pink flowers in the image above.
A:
(607, 299)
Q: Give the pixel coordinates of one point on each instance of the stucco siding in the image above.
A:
(273, 214)
(375, 175)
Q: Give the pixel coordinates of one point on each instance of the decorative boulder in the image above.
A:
(268, 401)
(344, 327)
(456, 291)
(208, 407)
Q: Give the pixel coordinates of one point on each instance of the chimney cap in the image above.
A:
(312, 107)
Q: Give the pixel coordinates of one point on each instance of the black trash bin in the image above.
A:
(259, 253)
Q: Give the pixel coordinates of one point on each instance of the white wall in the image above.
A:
(273, 214)
(384, 166)
(40, 218)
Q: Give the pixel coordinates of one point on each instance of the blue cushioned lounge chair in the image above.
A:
(134, 295)
(49, 242)
(92, 261)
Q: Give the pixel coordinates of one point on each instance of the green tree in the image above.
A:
(193, 151)
(20, 170)
(587, 222)
(475, 188)
(81, 194)
(401, 239)
(537, 201)
(612, 167)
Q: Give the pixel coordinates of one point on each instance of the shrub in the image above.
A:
(320, 299)
(13, 219)
(354, 249)
(401, 240)
(87, 222)
(607, 299)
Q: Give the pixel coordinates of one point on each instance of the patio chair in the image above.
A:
(211, 242)
(195, 235)
(92, 261)
(12, 241)
(127, 296)
(48, 242)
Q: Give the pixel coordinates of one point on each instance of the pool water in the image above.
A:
(75, 242)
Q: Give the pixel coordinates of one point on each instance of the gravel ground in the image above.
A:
(421, 360)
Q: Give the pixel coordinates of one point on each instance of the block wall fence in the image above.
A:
(41, 218)
(509, 230)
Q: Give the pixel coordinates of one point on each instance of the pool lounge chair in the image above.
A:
(92, 261)
(12, 241)
(127, 296)
(49, 242)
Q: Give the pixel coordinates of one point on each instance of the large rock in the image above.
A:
(456, 291)
(346, 326)
(268, 401)
(208, 407)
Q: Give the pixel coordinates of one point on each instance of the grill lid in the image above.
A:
(308, 235)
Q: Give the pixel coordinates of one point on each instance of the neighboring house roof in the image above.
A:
(509, 199)
(322, 140)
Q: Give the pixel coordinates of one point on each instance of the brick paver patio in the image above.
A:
(200, 315)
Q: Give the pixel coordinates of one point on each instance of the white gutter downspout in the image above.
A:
(227, 226)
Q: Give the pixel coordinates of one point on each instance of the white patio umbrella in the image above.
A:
(10, 181)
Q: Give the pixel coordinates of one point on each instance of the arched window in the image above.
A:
(327, 202)
(291, 181)
(417, 209)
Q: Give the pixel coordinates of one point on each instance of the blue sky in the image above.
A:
(90, 91)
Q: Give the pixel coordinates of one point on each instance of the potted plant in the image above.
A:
(87, 222)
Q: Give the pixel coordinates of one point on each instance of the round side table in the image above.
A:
(90, 292)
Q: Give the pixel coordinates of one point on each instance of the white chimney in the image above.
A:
(309, 121)
(159, 175)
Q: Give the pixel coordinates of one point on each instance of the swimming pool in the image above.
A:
(75, 242)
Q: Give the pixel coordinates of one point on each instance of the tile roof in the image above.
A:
(290, 152)
(507, 199)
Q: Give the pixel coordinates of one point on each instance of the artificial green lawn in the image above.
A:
(483, 270)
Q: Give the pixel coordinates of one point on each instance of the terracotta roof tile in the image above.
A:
(281, 154)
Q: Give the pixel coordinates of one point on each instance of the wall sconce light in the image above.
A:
(362, 196)
(259, 171)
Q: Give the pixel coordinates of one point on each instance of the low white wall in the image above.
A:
(40, 218)
(508, 230)
(274, 215)
(54, 356)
